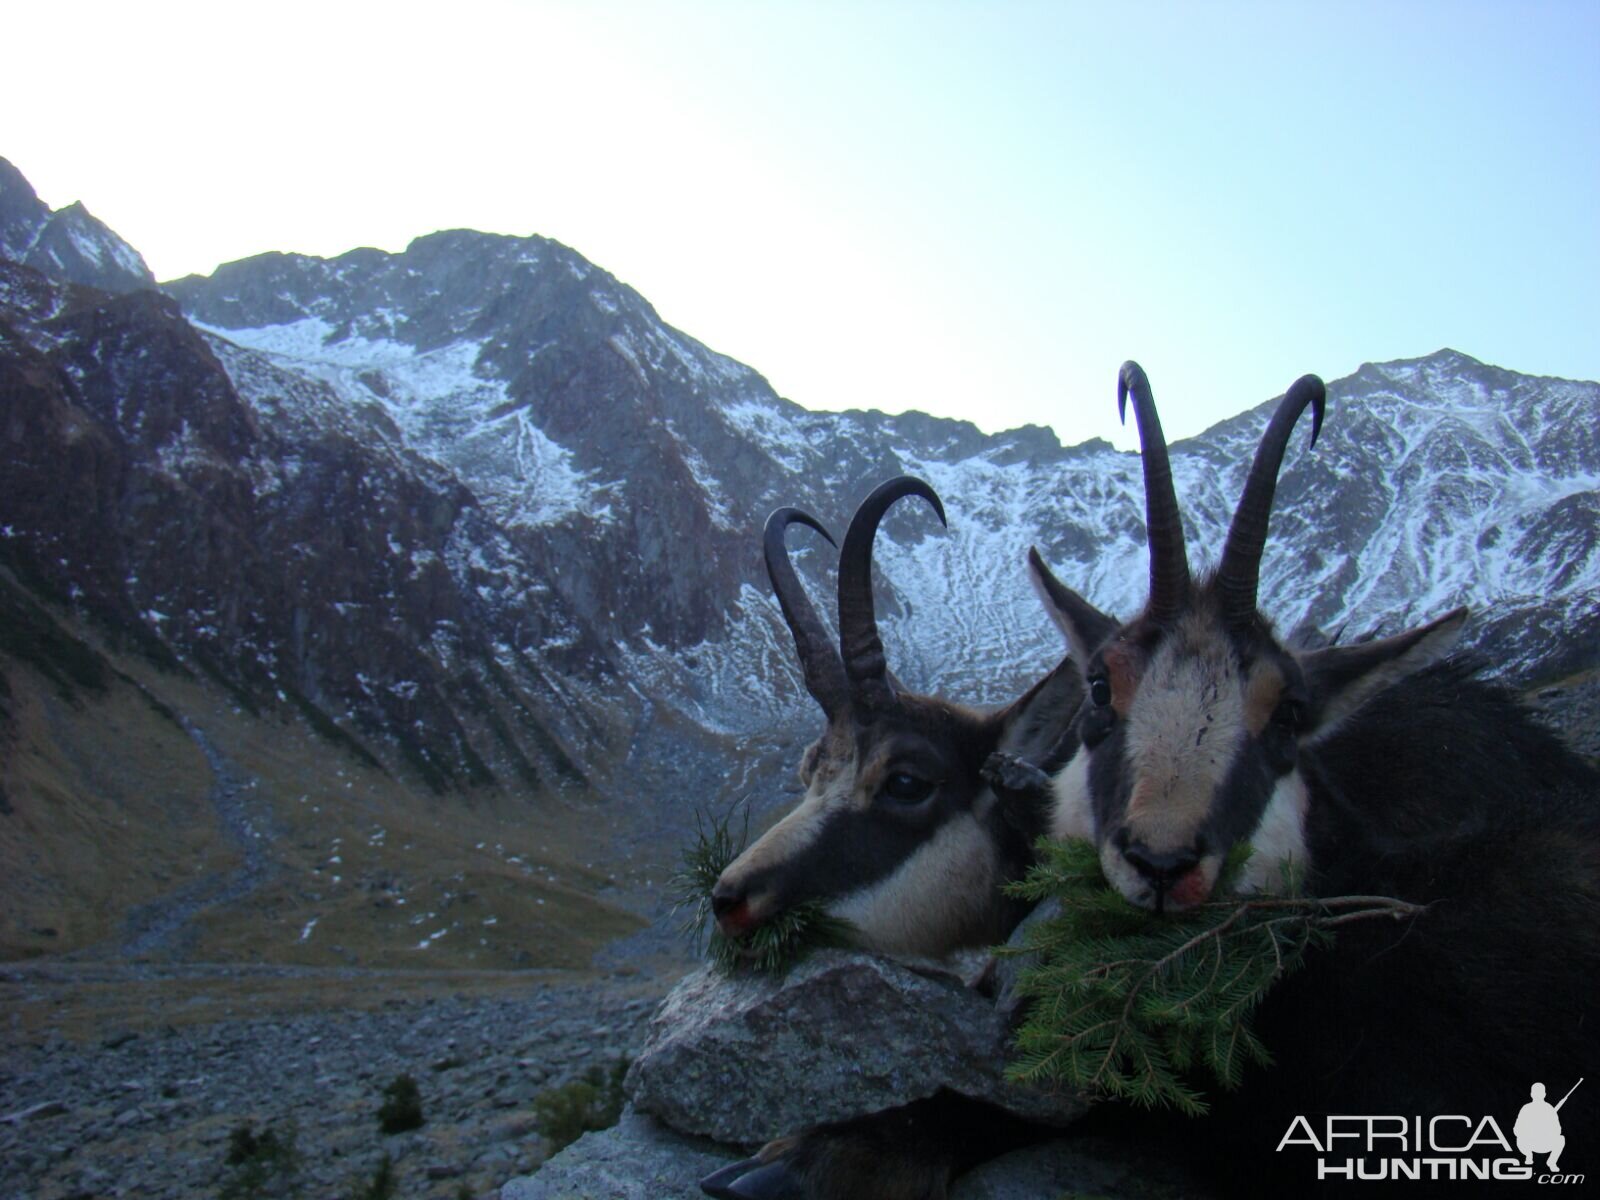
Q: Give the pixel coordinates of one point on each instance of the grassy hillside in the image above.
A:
(135, 798)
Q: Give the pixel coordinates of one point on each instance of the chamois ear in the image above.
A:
(1034, 737)
(1086, 627)
(1343, 678)
(1033, 724)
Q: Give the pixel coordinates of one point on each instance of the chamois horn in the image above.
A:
(819, 657)
(862, 649)
(1239, 574)
(1169, 563)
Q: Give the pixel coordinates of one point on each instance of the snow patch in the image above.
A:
(443, 407)
(770, 429)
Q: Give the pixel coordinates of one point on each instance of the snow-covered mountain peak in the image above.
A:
(69, 243)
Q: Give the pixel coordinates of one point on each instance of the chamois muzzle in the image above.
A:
(1171, 874)
(731, 908)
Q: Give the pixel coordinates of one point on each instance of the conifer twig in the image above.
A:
(1157, 997)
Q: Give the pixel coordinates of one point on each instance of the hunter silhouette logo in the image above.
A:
(1538, 1127)
(1441, 1147)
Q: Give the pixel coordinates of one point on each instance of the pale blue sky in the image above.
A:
(975, 209)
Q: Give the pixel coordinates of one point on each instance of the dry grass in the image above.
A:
(383, 868)
(111, 809)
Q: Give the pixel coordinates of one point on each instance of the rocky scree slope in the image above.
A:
(151, 1111)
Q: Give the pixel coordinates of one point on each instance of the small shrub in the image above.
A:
(402, 1105)
(381, 1186)
(260, 1164)
(566, 1113)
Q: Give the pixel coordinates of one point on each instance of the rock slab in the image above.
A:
(746, 1059)
(636, 1159)
(641, 1159)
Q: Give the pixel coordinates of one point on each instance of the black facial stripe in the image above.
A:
(853, 849)
(1238, 805)
(1064, 750)
(1110, 783)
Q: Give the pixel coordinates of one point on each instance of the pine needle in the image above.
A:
(774, 946)
(1141, 1007)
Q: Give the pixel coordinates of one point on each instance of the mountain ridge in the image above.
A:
(69, 242)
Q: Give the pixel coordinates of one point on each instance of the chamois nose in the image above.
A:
(730, 904)
(1162, 868)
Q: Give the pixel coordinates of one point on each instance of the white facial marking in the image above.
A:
(1122, 875)
(939, 899)
(1074, 814)
(1185, 726)
(1280, 838)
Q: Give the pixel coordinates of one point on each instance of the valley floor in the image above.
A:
(129, 1080)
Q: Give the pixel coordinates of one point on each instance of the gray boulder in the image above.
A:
(636, 1159)
(641, 1159)
(842, 1035)
(743, 1060)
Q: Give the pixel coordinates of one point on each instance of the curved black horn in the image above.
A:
(864, 664)
(819, 658)
(1169, 563)
(1239, 574)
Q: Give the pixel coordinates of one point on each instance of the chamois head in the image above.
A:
(1196, 715)
(897, 832)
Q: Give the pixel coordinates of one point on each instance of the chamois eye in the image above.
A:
(1289, 716)
(1100, 691)
(907, 789)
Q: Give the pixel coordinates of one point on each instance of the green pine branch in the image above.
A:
(1128, 1004)
(774, 946)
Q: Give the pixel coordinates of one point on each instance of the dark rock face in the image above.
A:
(67, 244)
(309, 574)
(562, 353)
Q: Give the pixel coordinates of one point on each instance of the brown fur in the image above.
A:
(1262, 695)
